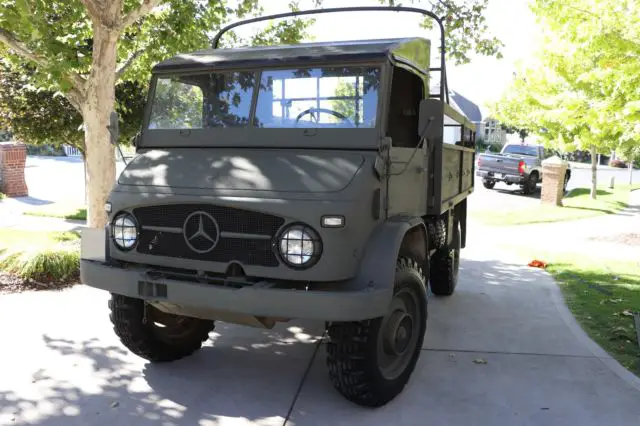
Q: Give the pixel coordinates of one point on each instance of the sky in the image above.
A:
(483, 80)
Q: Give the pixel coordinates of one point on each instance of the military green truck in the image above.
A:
(317, 181)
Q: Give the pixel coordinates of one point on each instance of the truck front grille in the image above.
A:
(242, 235)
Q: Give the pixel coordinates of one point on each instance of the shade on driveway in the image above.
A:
(502, 351)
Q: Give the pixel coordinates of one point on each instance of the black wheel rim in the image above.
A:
(399, 334)
(169, 327)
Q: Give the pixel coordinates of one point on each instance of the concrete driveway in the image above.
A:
(62, 365)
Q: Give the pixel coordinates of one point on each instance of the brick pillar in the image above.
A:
(13, 157)
(553, 172)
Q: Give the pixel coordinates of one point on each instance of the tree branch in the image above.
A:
(23, 50)
(123, 67)
(92, 8)
(76, 99)
(138, 13)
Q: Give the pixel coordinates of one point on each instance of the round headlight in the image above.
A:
(124, 231)
(300, 246)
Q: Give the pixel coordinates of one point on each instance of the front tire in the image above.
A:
(371, 361)
(162, 337)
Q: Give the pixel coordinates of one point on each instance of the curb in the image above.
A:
(577, 330)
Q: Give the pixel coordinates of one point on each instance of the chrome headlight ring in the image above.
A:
(124, 231)
(299, 246)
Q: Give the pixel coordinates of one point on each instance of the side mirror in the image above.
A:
(114, 127)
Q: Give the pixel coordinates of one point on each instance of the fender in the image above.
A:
(378, 265)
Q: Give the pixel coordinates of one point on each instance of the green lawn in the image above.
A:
(602, 298)
(63, 211)
(576, 205)
(18, 239)
(601, 294)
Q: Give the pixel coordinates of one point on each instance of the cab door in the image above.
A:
(407, 177)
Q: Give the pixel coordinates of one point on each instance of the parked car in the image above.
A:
(517, 163)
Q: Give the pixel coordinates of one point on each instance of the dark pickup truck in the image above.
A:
(519, 164)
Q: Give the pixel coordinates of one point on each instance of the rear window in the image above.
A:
(521, 150)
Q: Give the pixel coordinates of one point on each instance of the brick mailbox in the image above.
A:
(13, 157)
(553, 172)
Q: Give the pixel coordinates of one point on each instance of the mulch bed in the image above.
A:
(10, 283)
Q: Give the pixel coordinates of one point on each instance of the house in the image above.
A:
(487, 130)
(492, 132)
(468, 108)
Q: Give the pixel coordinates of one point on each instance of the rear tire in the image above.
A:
(530, 184)
(489, 184)
(164, 337)
(371, 361)
(445, 266)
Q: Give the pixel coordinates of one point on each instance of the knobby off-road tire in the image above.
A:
(371, 361)
(445, 265)
(178, 337)
(489, 184)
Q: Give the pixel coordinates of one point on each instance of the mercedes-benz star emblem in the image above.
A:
(201, 232)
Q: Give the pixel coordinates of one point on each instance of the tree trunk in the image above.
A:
(594, 172)
(100, 101)
(631, 171)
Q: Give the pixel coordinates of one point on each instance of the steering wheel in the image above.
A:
(313, 110)
(218, 120)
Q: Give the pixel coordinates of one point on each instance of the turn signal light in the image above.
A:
(521, 167)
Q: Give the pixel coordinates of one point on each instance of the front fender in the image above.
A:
(378, 265)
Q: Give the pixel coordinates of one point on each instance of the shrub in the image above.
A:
(54, 263)
(2, 196)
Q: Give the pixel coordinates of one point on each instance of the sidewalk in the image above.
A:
(17, 221)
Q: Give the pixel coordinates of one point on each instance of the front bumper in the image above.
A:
(343, 301)
(499, 177)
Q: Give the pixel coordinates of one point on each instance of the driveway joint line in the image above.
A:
(304, 377)
(515, 353)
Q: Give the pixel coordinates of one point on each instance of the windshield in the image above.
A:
(521, 150)
(327, 97)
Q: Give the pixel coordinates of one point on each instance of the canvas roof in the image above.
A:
(415, 51)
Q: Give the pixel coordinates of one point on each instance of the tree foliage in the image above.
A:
(465, 25)
(583, 89)
(81, 49)
(36, 116)
(57, 36)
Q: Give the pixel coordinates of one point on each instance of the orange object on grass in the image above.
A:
(537, 264)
